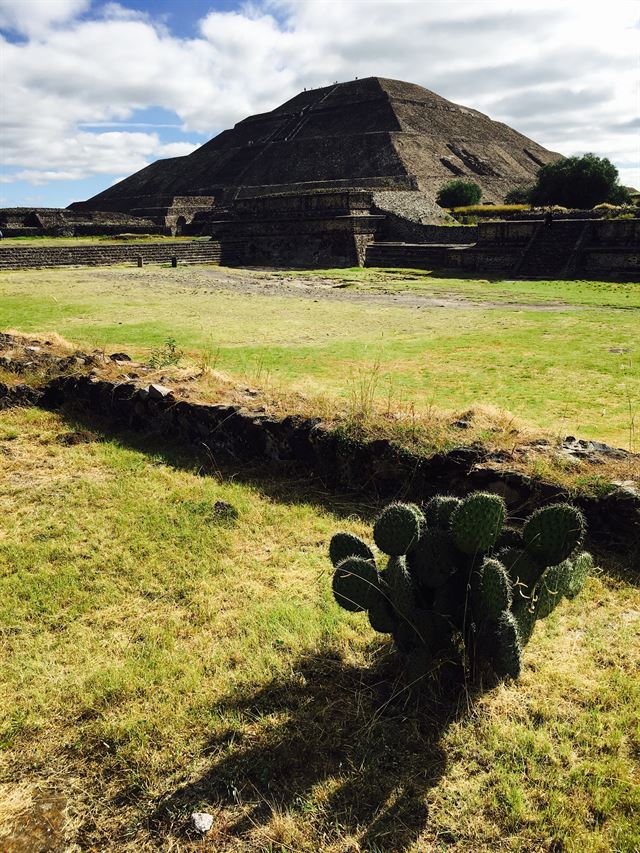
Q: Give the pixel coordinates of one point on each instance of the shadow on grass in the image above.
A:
(291, 486)
(340, 748)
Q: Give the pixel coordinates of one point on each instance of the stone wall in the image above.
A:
(189, 252)
(570, 248)
(298, 230)
(292, 443)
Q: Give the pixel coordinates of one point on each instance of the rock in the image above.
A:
(69, 439)
(579, 448)
(159, 392)
(120, 356)
(627, 487)
(202, 821)
(224, 511)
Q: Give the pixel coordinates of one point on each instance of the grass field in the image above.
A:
(561, 356)
(158, 657)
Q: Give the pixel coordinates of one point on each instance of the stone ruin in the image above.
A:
(338, 176)
(372, 134)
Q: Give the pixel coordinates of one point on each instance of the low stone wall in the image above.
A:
(374, 467)
(603, 248)
(23, 257)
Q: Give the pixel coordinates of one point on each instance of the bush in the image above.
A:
(458, 585)
(458, 193)
(519, 195)
(579, 182)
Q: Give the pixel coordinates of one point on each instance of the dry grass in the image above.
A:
(365, 414)
(553, 353)
(157, 661)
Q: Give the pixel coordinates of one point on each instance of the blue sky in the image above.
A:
(92, 91)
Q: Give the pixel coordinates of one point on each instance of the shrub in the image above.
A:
(457, 193)
(579, 182)
(458, 584)
(518, 195)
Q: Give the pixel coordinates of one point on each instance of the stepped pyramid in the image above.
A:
(373, 134)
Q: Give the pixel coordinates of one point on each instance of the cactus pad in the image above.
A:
(552, 534)
(355, 583)
(400, 586)
(523, 570)
(551, 587)
(345, 545)
(434, 558)
(524, 612)
(397, 529)
(582, 566)
(506, 650)
(510, 537)
(492, 590)
(381, 615)
(477, 522)
(439, 510)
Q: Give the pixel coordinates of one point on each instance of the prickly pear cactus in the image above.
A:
(397, 529)
(477, 522)
(457, 583)
(553, 533)
(355, 581)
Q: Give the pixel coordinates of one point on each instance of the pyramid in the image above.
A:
(373, 134)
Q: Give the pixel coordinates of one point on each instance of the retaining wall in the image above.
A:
(343, 464)
(22, 257)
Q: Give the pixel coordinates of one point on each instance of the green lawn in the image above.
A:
(157, 658)
(574, 369)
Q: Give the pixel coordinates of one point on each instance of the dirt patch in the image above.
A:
(259, 282)
(33, 820)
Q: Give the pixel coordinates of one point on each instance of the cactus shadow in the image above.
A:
(338, 747)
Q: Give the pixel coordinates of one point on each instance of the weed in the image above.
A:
(167, 355)
(362, 392)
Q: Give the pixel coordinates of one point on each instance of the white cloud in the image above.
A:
(566, 74)
(35, 17)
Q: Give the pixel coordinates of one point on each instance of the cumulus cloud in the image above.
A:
(35, 17)
(565, 74)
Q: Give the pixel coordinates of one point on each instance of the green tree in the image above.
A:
(458, 193)
(518, 195)
(580, 182)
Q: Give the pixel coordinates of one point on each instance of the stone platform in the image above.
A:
(528, 248)
(192, 252)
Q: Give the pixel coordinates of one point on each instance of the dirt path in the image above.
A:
(258, 282)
